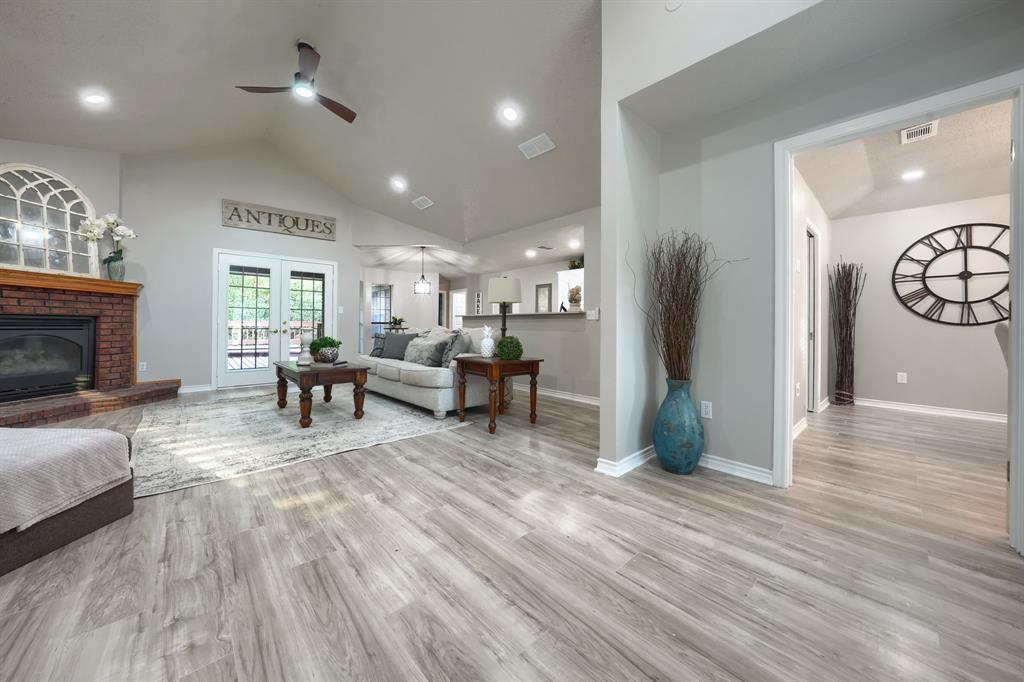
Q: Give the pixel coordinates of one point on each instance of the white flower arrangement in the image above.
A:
(95, 229)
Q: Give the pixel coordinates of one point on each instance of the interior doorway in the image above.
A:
(263, 304)
(813, 259)
(1008, 88)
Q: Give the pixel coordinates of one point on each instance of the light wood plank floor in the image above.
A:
(465, 556)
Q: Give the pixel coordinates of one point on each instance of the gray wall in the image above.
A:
(718, 177)
(947, 366)
(569, 345)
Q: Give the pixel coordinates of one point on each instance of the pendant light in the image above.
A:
(422, 286)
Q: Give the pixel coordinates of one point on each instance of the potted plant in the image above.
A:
(679, 266)
(94, 229)
(397, 322)
(510, 348)
(324, 349)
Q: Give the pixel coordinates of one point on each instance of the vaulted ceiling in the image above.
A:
(426, 79)
(968, 158)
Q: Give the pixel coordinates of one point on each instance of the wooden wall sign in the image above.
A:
(277, 220)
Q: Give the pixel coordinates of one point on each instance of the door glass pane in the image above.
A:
(248, 323)
(380, 307)
(305, 308)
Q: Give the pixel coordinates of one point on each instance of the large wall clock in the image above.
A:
(957, 275)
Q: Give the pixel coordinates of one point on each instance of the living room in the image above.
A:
(434, 340)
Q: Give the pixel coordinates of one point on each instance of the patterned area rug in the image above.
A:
(180, 445)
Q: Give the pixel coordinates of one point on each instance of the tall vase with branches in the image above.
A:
(679, 267)
(845, 287)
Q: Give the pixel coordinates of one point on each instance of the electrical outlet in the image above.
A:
(594, 314)
(901, 377)
(142, 366)
(705, 409)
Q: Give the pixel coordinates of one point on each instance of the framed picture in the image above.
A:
(478, 307)
(542, 300)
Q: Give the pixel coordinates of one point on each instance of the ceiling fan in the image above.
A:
(305, 85)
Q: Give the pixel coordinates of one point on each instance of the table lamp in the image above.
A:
(504, 291)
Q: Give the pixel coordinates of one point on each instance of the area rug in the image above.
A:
(180, 445)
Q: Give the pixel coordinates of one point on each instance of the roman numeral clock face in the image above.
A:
(957, 275)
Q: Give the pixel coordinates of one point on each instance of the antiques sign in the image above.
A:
(277, 220)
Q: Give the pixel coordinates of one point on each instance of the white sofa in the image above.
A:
(433, 388)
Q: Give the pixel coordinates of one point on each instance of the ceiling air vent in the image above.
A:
(544, 248)
(422, 202)
(919, 132)
(536, 146)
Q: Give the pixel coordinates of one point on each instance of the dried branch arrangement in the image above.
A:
(845, 286)
(679, 267)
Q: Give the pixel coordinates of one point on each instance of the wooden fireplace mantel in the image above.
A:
(49, 280)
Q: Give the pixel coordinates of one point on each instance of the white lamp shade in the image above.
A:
(504, 290)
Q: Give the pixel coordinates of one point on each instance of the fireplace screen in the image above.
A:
(43, 355)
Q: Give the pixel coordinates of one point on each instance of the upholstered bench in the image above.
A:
(57, 485)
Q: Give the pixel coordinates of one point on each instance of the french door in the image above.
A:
(263, 306)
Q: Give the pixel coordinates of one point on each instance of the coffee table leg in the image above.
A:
(492, 406)
(462, 392)
(305, 407)
(327, 392)
(282, 392)
(358, 394)
(533, 397)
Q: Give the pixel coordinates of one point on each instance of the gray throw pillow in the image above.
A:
(378, 346)
(459, 343)
(395, 345)
(426, 350)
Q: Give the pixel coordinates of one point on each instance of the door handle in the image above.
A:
(273, 331)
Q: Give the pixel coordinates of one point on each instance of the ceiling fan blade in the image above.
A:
(257, 88)
(309, 59)
(334, 107)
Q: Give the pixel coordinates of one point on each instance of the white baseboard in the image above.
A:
(195, 388)
(799, 428)
(564, 395)
(728, 466)
(823, 405)
(937, 411)
(621, 467)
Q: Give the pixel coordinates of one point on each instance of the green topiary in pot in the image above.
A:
(509, 348)
(327, 343)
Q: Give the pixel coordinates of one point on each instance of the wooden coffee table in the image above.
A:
(317, 374)
(496, 370)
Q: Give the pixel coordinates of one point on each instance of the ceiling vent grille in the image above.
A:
(422, 202)
(544, 248)
(919, 132)
(536, 146)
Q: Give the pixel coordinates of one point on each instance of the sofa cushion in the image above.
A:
(457, 344)
(369, 362)
(395, 345)
(427, 350)
(378, 346)
(476, 335)
(428, 377)
(388, 370)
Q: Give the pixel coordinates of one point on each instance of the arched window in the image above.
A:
(39, 216)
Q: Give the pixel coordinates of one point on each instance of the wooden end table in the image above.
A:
(496, 371)
(318, 374)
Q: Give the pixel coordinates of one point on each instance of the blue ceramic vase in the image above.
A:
(678, 431)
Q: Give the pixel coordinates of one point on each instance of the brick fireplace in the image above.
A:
(111, 306)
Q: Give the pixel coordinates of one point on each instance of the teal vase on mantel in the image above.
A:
(115, 270)
(678, 431)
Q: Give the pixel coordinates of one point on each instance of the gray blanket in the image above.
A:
(45, 471)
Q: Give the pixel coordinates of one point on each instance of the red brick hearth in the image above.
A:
(112, 304)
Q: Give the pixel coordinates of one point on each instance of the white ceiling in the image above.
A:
(426, 79)
(969, 158)
(836, 32)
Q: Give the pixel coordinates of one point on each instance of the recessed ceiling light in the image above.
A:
(399, 184)
(530, 253)
(94, 98)
(574, 243)
(912, 174)
(509, 113)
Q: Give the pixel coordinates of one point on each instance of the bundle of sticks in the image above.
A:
(845, 286)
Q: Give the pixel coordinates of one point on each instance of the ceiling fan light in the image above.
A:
(303, 88)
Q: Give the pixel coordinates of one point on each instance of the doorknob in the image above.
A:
(284, 323)
(273, 331)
